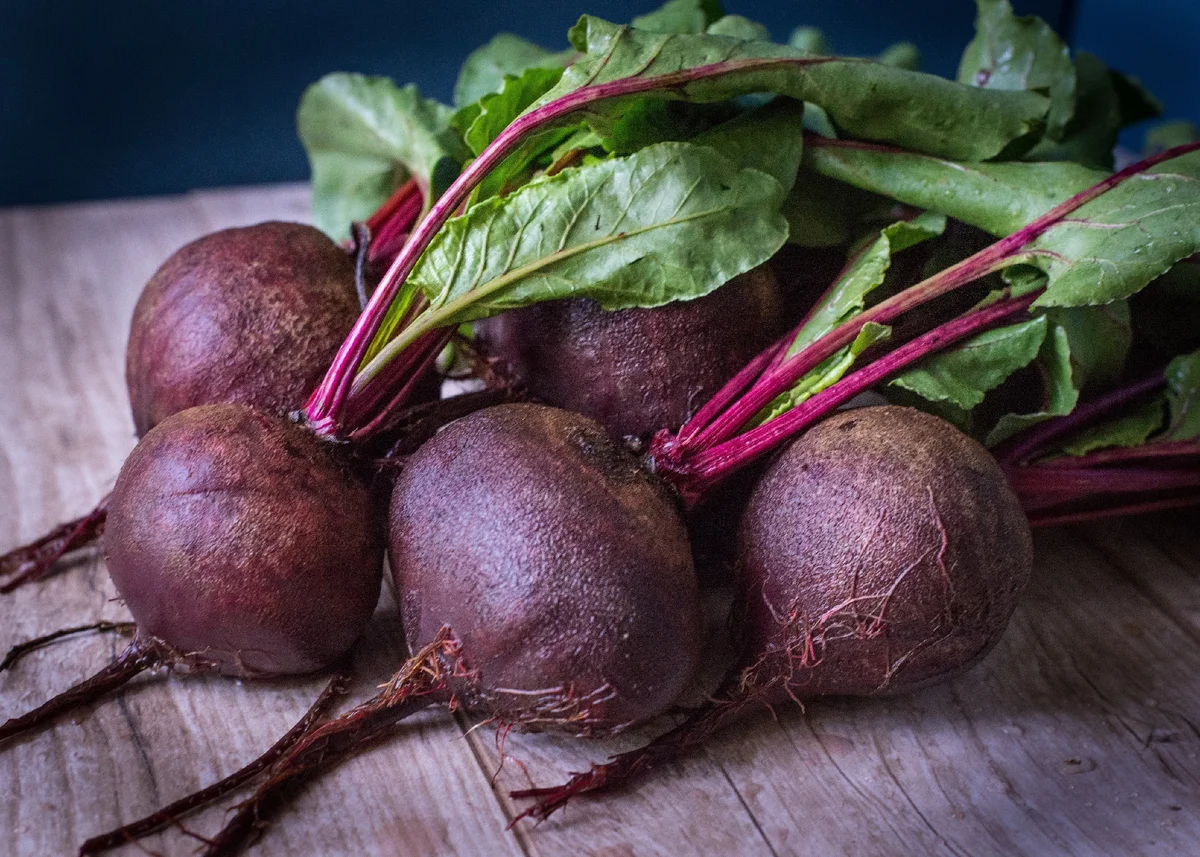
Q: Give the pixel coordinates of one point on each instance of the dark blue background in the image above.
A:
(138, 97)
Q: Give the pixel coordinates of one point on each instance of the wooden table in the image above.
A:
(1079, 735)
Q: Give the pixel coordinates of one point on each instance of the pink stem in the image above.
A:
(400, 373)
(711, 466)
(399, 199)
(735, 386)
(970, 269)
(966, 271)
(1120, 455)
(1051, 518)
(394, 231)
(429, 347)
(1029, 443)
(1047, 482)
(765, 363)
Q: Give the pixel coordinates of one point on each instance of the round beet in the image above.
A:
(883, 550)
(638, 370)
(561, 566)
(251, 315)
(240, 537)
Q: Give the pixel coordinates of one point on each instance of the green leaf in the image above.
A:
(999, 198)
(1091, 134)
(864, 99)
(1011, 53)
(1111, 247)
(1129, 430)
(737, 27)
(647, 121)
(670, 222)
(1183, 398)
(902, 55)
(1076, 348)
(1060, 393)
(1100, 338)
(768, 138)
(848, 295)
(680, 16)
(506, 54)
(1168, 135)
(365, 137)
(810, 41)
(963, 374)
(825, 374)
(492, 113)
(1023, 279)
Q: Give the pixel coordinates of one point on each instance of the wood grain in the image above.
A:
(1080, 735)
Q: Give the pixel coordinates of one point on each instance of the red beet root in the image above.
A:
(241, 538)
(544, 579)
(560, 565)
(638, 370)
(241, 544)
(251, 315)
(881, 552)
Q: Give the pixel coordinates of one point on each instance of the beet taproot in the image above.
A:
(881, 551)
(252, 315)
(558, 562)
(241, 538)
(638, 370)
(884, 550)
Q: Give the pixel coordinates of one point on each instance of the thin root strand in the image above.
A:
(626, 767)
(141, 655)
(424, 680)
(33, 561)
(20, 650)
(172, 813)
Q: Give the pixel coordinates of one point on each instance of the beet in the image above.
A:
(561, 566)
(638, 370)
(242, 538)
(884, 550)
(251, 315)
(544, 580)
(881, 551)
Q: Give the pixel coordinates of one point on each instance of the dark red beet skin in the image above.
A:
(561, 566)
(882, 551)
(251, 315)
(239, 536)
(638, 370)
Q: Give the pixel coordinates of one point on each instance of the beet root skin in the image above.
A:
(559, 564)
(638, 370)
(239, 537)
(252, 315)
(882, 551)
